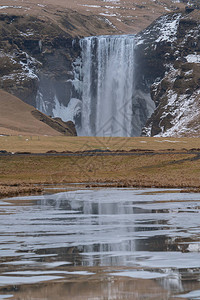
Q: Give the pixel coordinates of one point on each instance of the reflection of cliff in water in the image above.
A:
(97, 242)
(99, 228)
(107, 289)
(99, 232)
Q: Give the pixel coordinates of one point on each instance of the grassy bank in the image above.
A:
(18, 189)
(170, 170)
(42, 144)
(161, 168)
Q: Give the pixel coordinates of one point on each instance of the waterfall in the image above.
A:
(102, 93)
(107, 76)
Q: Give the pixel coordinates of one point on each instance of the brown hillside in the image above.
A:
(16, 118)
(123, 16)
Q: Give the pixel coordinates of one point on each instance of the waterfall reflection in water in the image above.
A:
(102, 244)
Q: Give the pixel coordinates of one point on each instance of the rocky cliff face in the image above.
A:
(36, 55)
(36, 58)
(169, 53)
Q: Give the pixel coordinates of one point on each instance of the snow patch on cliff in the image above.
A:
(184, 109)
(9, 6)
(27, 66)
(193, 58)
(163, 30)
(168, 29)
(181, 112)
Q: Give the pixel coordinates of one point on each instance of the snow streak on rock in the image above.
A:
(26, 66)
(173, 43)
(193, 58)
(164, 29)
(182, 109)
(168, 29)
(185, 112)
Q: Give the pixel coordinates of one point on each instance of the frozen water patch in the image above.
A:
(122, 228)
(139, 274)
(176, 260)
(35, 262)
(194, 295)
(194, 247)
(4, 203)
(20, 262)
(56, 264)
(69, 112)
(14, 280)
(30, 273)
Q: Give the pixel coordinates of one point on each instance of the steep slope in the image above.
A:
(170, 50)
(80, 17)
(37, 45)
(17, 117)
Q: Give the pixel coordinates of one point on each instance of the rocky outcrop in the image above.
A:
(38, 62)
(30, 50)
(169, 53)
(66, 128)
(36, 54)
(19, 118)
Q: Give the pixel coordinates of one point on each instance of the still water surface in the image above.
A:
(101, 244)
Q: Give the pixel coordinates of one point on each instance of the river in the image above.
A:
(100, 244)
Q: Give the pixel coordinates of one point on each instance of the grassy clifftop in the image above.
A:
(93, 17)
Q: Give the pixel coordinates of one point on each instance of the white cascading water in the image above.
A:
(107, 85)
(102, 96)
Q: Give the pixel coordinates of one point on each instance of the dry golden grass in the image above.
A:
(8, 191)
(160, 170)
(16, 118)
(42, 144)
(127, 16)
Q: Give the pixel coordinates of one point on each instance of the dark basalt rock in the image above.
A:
(32, 49)
(66, 128)
(69, 125)
(165, 69)
(189, 9)
(37, 62)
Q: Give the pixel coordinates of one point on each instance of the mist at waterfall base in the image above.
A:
(106, 101)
